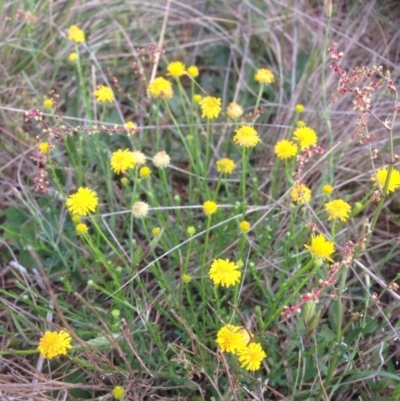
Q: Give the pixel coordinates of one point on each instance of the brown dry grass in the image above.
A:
(251, 31)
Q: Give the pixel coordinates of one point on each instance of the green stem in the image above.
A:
(82, 84)
(339, 333)
(260, 92)
(243, 183)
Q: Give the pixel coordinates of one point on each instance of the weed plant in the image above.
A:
(199, 213)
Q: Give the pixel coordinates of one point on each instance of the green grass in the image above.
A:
(119, 290)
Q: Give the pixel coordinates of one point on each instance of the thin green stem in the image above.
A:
(243, 183)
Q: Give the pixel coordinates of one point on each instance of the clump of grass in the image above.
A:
(185, 241)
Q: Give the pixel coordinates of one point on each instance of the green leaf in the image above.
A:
(396, 393)
(16, 215)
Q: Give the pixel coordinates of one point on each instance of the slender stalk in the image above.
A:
(243, 183)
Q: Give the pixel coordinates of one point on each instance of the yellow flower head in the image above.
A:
(224, 272)
(160, 88)
(230, 338)
(321, 247)
(122, 160)
(264, 76)
(176, 69)
(306, 137)
(82, 202)
(300, 194)
(72, 56)
(244, 226)
(394, 181)
(193, 71)
(338, 209)
(285, 149)
(144, 172)
(299, 108)
(44, 147)
(81, 228)
(161, 159)
(246, 137)
(76, 219)
(327, 189)
(186, 278)
(129, 125)
(48, 103)
(140, 209)
(156, 230)
(210, 107)
(197, 98)
(76, 34)
(191, 231)
(250, 357)
(234, 111)
(118, 392)
(104, 94)
(301, 124)
(209, 207)
(53, 344)
(225, 165)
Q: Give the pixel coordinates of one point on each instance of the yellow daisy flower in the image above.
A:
(156, 230)
(82, 202)
(225, 165)
(299, 108)
(264, 76)
(76, 219)
(197, 98)
(327, 189)
(394, 181)
(176, 69)
(104, 94)
(230, 338)
(186, 278)
(250, 357)
(306, 137)
(193, 71)
(224, 272)
(285, 149)
(129, 125)
(122, 160)
(160, 88)
(300, 194)
(191, 231)
(321, 247)
(72, 56)
(118, 392)
(53, 344)
(48, 103)
(244, 226)
(338, 209)
(76, 34)
(44, 147)
(234, 111)
(144, 172)
(209, 207)
(81, 228)
(246, 136)
(210, 107)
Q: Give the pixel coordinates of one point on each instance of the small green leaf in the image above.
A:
(396, 393)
